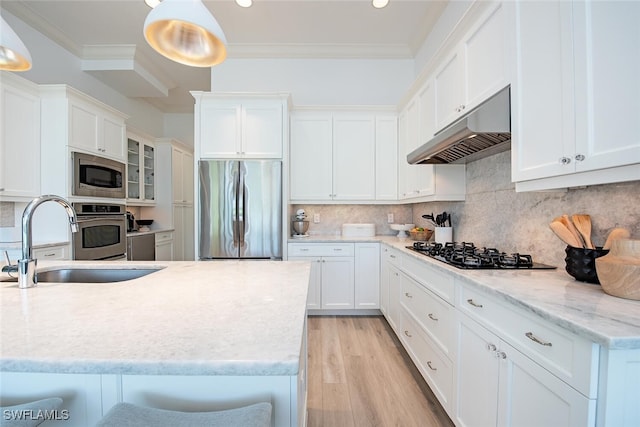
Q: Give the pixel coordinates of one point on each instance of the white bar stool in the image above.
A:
(128, 415)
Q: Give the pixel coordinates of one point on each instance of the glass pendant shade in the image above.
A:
(14, 55)
(186, 32)
(379, 4)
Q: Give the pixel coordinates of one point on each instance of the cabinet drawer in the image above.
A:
(321, 249)
(439, 283)
(436, 369)
(572, 358)
(56, 252)
(164, 236)
(434, 315)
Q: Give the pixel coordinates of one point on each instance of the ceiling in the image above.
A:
(107, 36)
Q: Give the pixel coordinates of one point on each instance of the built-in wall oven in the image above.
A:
(95, 176)
(102, 233)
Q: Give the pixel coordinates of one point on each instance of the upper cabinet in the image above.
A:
(576, 94)
(140, 169)
(93, 127)
(235, 127)
(19, 138)
(343, 156)
(474, 70)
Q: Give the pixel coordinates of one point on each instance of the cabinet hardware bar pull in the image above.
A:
(431, 367)
(473, 303)
(432, 317)
(537, 340)
(408, 295)
(407, 334)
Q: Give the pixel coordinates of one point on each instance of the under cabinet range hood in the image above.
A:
(484, 131)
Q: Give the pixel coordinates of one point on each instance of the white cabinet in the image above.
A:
(476, 69)
(239, 127)
(423, 183)
(93, 127)
(164, 246)
(332, 278)
(367, 275)
(140, 170)
(333, 156)
(575, 75)
(19, 138)
(53, 252)
(499, 386)
(174, 204)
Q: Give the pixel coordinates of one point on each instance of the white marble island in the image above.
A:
(192, 336)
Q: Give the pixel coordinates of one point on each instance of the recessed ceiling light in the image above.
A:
(244, 3)
(379, 4)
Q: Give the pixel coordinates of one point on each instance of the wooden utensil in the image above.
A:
(564, 234)
(583, 224)
(619, 270)
(572, 229)
(615, 234)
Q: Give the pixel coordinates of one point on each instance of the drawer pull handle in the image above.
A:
(473, 303)
(431, 367)
(491, 347)
(432, 317)
(392, 256)
(537, 340)
(304, 249)
(50, 254)
(337, 249)
(408, 295)
(407, 334)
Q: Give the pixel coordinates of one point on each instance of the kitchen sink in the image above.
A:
(88, 275)
(93, 275)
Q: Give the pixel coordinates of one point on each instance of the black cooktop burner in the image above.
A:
(467, 256)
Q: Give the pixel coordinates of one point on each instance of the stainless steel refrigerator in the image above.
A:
(240, 209)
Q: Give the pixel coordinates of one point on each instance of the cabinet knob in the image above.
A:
(501, 355)
(491, 347)
(579, 157)
(565, 160)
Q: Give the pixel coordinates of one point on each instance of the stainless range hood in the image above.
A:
(484, 131)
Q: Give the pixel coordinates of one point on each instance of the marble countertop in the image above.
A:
(190, 318)
(582, 308)
(142, 233)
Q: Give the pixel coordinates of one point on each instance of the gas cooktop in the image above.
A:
(467, 256)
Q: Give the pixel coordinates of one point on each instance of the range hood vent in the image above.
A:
(484, 131)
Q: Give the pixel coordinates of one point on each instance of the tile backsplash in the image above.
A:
(494, 214)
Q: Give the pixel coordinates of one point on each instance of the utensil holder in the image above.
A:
(581, 263)
(443, 235)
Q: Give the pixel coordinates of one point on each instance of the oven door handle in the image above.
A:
(81, 220)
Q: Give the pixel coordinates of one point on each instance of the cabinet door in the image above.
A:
(133, 168)
(485, 60)
(220, 127)
(111, 140)
(532, 396)
(148, 160)
(542, 92)
(354, 157)
(607, 85)
(448, 87)
(367, 275)
(384, 280)
(187, 178)
(164, 250)
(262, 135)
(386, 169)
(311, 172)
(19, 135)
(337, 283)
(183, 234)
(314, 301)
(427, 109)
(395, 286)
(83, 127)
(477, 375)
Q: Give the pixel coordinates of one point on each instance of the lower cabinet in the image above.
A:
(164, 246)
(498, 385)
(53, 252)
(344, 276)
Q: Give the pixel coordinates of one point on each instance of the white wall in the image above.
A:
(318, 81)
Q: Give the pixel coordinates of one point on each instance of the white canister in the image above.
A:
(443, 234)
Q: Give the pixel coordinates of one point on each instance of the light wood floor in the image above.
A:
(359, 375)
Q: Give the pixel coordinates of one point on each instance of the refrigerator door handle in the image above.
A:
(242, 202)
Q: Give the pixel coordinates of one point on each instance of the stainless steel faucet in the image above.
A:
(27, 265)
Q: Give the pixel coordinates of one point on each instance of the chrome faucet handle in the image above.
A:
(9, 268)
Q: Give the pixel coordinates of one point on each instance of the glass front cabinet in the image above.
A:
(140, 170)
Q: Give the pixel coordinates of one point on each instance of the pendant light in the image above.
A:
(14, 55)
(379, 4)
(186, 32)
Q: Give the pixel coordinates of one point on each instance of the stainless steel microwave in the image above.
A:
(95, 176)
